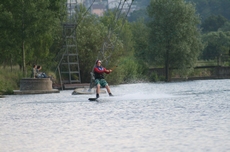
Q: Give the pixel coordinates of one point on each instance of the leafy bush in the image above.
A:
(128, 70)
(9, 80)
(153, 77)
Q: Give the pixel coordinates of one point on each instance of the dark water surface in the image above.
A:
(185, 116)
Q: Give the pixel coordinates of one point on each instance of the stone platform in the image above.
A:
(35, 86)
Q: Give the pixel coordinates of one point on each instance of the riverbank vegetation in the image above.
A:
(165, 34)
(9, 79)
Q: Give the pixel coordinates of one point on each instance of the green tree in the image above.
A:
(213, 23)
(217, 44)
(140, 38)
(91, 35)
(30, 27)
(6, 39)
(142, 3)
(106, 38)
(138, 14)
(121, 37)
(174, 37)
(225, 27)
(208, 8)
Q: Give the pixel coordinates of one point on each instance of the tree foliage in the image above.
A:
(205, 8)
(225, 27)
(140, 39)
(208, 8)
(174, 37)
(89, 39)
(138, 14)
(93, 34)
(213, 23)
(28, 29)
(217, 44)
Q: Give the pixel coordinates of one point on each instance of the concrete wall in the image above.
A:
(35, 84)
(223, 72)
(217, 72)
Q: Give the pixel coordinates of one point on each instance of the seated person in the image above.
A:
(34, 71)
(40, 74)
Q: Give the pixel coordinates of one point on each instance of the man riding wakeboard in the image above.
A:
(99, 78)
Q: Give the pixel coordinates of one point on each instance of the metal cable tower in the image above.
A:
(68, 67)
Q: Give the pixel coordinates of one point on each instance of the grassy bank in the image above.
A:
(9, 79)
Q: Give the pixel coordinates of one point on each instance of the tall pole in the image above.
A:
(167, 64)
(23, 42)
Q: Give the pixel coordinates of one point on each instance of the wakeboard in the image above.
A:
(93, 99)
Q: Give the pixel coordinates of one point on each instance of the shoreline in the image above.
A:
(198, 78)
(57, 87)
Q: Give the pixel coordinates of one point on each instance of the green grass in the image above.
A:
(222, 62)
(207, 63)
(9, 79)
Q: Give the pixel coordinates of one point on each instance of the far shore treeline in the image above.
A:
(174, 34)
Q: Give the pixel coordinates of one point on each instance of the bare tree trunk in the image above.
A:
(11, 63)
(167, 64)
(24, 60)
(4, 65)
(23, 44)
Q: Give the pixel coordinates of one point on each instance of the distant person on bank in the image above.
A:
(39, 73)
(34, 71)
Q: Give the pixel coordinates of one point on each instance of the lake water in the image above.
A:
(188, 116)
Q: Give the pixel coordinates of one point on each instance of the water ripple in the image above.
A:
(184, 116)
